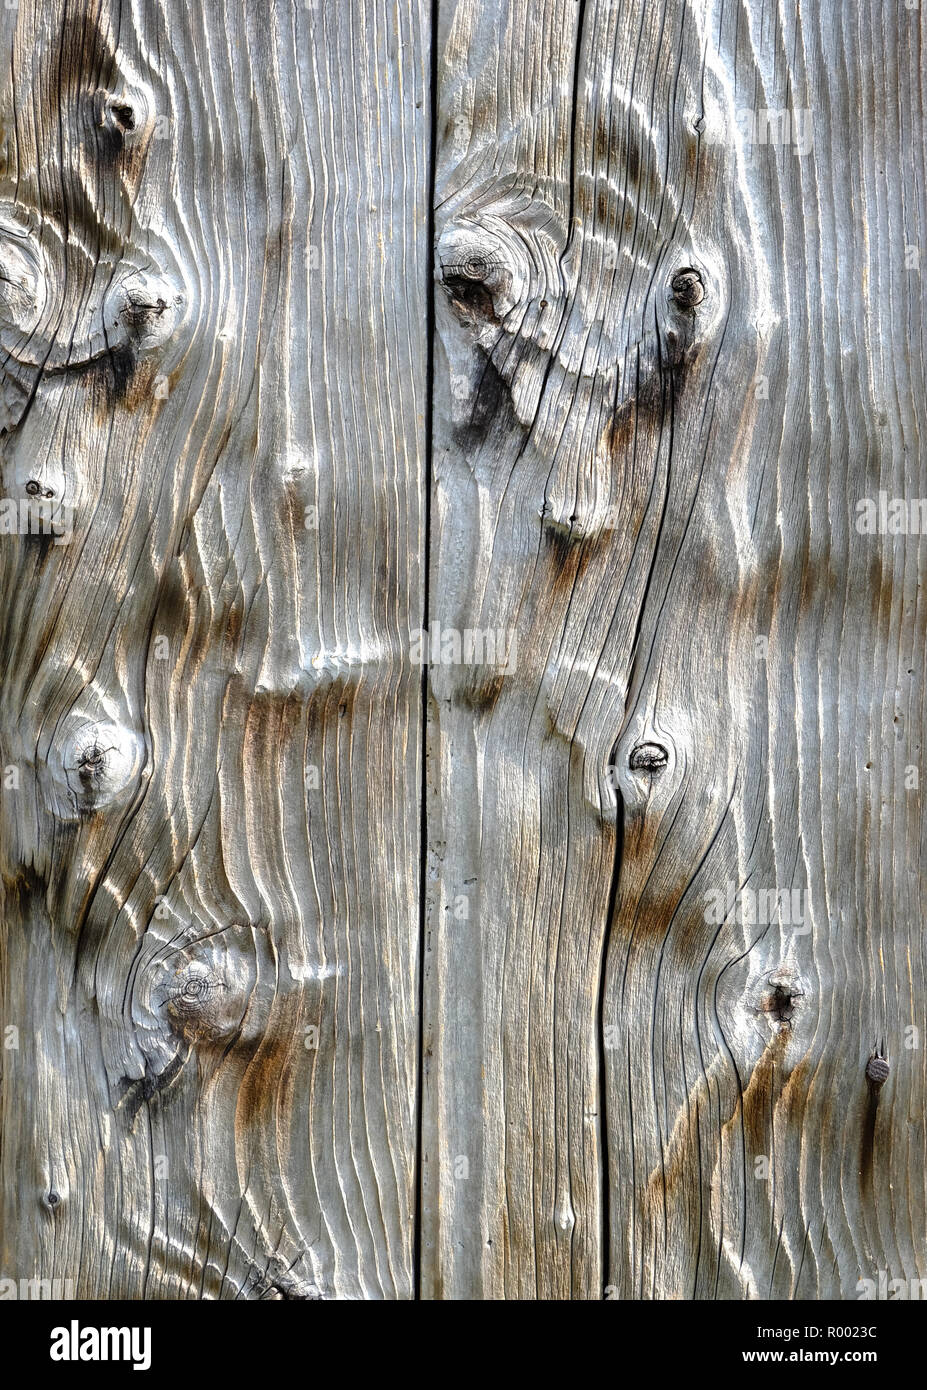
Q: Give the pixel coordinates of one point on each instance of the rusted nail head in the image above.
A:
(877, 1070)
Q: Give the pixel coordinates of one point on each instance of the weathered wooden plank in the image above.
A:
(750, 1155)
(512, 1158)
(650, 477)
(672, 676)
(214, 239)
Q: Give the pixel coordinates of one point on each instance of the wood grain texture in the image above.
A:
(631, 1002)
(214, 241)
(650, 477)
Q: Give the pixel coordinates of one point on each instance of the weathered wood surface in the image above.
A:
(654, 1104)
(676, 344)
(214, 846)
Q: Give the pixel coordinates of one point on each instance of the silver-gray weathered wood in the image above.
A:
(210, 865)
(682, 337)
(591, 965)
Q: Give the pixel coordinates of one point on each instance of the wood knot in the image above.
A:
(480, 274)
(195, 1006)
(93, 765)
(35, 489)
(781, 1003)
(196, 988)
(121, 112)
(23, 285)
(475, 268)
(146, 307)
(648, 757)
(687, 288)
(877, 1070)
(467, 290)
(193, 991)
(117, 116)
(51, 322)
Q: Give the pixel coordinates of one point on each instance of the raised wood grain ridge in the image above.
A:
(461, 709)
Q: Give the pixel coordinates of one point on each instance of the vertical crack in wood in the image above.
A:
(580, 19)
(432, 289)
(604, 1156)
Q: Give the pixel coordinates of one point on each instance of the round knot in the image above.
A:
(481, 271)
(146, 306)
(474, 268)
(203, 1003)
(688, 289)
(196, 988)
(648, 757)
(93, 764)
